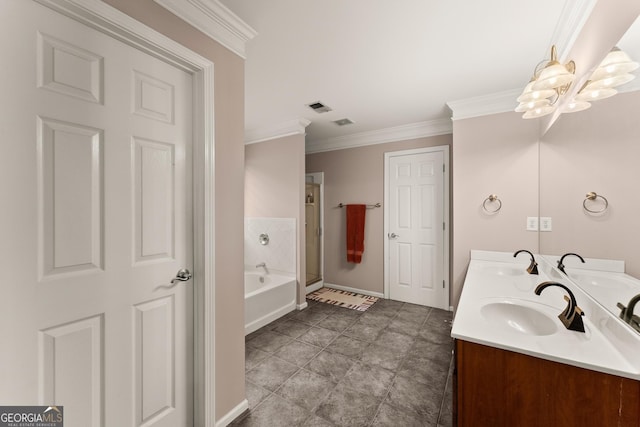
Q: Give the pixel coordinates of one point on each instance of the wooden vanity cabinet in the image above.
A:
(494, 387)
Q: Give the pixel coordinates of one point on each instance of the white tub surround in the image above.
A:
(498, 308)
(270, 270)
(280, 253)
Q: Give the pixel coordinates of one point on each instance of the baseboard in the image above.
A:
(233, 414)
(302, 306)
(314, 287)
(357, 291)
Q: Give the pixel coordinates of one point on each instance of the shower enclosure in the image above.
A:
(312, 232)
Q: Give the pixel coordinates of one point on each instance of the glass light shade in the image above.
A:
(538, 112)
(553, 76)
(610, 82)
(591, 94)
(616, 56)
(575, 105)
(528, 94)
(530, 105)
(613, 70)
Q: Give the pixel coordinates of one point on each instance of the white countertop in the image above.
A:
(497, 277)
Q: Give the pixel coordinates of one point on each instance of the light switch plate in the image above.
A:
(532, 223)
(545, 223)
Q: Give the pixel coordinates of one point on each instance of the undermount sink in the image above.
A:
(519, 316)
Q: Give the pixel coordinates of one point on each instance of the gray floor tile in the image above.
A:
(269, 341)
(348, 407)
(255, 394)
(384, 357)
(274, 412)
(373, 318)
(348, 346)
(253, 356)
(316, 421)
(292, 328)
(372, 379)
(306, 389)
(363, 332)
(297, 352)
(336, 323)
(318, 336)
(331, 365)
(271, 373)
(311, 315)
(389, 416)
(395, 340)
(420, 399)
(317, 368)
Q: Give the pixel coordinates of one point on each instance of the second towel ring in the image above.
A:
(593, 196)
(491, 199)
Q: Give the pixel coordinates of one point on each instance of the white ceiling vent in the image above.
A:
(319, 107)
(343, 122)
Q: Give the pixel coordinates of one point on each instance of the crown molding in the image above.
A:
(572, 19)
(484, 105)
(279, 130)
(215, 20)
(392, 134)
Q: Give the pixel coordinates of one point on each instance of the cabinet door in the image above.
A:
(502, 388)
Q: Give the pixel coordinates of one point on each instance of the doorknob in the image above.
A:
(182, 276)
(393, 235)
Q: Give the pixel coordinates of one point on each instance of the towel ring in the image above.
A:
(492, 198)
(593, 196)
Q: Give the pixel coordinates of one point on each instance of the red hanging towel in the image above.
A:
(355, 232)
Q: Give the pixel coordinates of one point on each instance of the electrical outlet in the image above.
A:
(545, 223)
(532, 223)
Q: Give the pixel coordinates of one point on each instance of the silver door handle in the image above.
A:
(182, 276)
(393, 235)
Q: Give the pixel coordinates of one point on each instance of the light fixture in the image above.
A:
(551, 80)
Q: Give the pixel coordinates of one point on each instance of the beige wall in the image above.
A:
(229, 177)
(495, 154)
(356, 175)
(594, 150)
(274, 188)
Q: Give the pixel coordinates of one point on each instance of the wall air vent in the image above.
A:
(343, 122)
(319, 107)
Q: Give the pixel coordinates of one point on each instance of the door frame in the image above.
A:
(446, 227)
(122, 27)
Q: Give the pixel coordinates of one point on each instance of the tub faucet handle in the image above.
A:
(262, 264)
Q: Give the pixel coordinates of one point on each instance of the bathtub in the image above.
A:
(266, 298)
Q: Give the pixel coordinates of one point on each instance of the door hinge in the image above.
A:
(443, 226)
(443, 168)
(443, 284)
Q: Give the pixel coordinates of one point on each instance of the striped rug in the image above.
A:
(343, 298)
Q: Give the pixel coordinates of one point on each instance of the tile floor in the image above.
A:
(331, 366)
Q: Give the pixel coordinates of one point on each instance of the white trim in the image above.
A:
(318, 178)
(484, 105)
(233, 414)
(447, 226)
(278, 130)
(314, 287)
(354, 290)
(301, 306)
(572, 19)
(215, 20)
(381, 136)
(120, 26)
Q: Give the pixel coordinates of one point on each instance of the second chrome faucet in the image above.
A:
(571, 317)
(533, 266)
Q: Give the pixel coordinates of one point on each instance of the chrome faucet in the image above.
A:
(627, 315)
(571, 317)
(561, 265)
(533, 267)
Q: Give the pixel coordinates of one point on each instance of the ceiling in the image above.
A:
(388, 64)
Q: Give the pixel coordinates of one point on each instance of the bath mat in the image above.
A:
(343, 298)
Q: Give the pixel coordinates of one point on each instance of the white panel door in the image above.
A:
(416, 228)
(95, 178)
